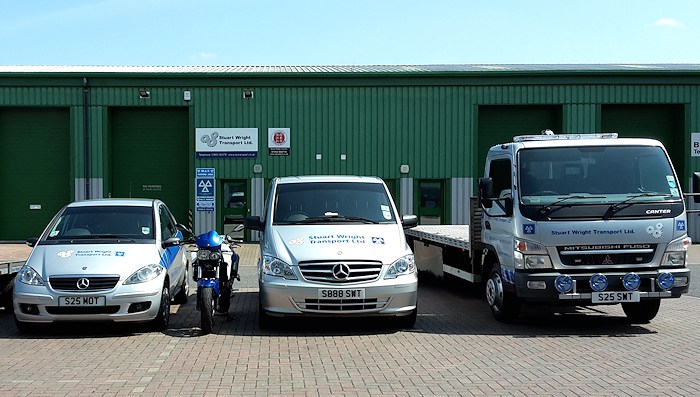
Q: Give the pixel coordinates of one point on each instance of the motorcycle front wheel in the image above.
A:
(207, 309)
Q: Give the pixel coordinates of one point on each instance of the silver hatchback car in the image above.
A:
(111, 259)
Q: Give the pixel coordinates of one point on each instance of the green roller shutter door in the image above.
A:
(662, 122)
(149, 156)
(500, 123)
(34, 169)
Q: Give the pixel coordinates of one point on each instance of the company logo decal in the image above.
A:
(211, 141)
(377, 240)
(66, 254)
(119, 253)
(296, 241)
(656, 231)
(529, 228)
(657, 212)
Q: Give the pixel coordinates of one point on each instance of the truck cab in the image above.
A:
(582, 219)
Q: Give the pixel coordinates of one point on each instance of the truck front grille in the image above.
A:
(591, 257)
(345, 272)
(95, 283)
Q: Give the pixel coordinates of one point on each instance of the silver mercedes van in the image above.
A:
(334, 246)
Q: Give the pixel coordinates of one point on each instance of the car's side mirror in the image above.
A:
(409, 221)
(172, 242)
(32, 241)
(253, 223)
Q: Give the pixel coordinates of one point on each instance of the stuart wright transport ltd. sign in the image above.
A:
(226, 142)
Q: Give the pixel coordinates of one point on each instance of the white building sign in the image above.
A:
(226, 142)
(695, 144)
(278, 141)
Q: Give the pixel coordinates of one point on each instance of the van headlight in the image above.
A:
(529, 255)
(404, 265)
(145, 274)
(29, 276)
(275, 267)
(676, 252)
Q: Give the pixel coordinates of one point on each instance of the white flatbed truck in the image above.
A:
(579, 219)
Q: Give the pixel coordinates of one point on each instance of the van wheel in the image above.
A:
(505, 306)
(407, 322)
(641, 312)
(265, 321)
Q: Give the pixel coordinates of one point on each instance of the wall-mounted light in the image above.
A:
(404, 169)
(257, 168)
(187, 95)
(247, 94)
(143, 94)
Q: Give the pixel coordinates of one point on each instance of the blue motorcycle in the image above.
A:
(215, 269)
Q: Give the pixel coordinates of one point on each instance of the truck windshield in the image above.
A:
(596, 175)
(332, 201)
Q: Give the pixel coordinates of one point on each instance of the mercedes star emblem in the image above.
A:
(341, 271)
(82, 283)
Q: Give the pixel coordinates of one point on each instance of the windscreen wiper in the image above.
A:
(628, 201)
(547, 207)
(334, 217)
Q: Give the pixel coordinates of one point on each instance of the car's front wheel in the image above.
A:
(505, 306)
(183, 294)
(162, 320)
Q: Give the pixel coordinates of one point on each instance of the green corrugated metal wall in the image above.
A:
(379, 122)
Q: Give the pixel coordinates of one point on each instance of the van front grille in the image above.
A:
(345, 272)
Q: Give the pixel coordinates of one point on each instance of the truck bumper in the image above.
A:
(539, 287)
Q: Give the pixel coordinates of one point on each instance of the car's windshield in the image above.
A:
(596, 175)
(332, 201)
(103, 222)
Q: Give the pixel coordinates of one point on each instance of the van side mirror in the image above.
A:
(253, 223)
(486, 192)
(32, 241)
(409, 221)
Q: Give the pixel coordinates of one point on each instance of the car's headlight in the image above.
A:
(144, 274)
(676, 252)
(529, 255)
(275, 267)
(404, 265)
(29, 276)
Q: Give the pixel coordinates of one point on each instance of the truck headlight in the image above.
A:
(275, 267)
(676, 252)
(29, 276)
(529, 255)
(403, 265)
(145, 274)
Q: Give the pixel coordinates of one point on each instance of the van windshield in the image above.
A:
(332, 201)
(103, 222)
(596, 175)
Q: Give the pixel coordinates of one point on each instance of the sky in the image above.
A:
(347, 32)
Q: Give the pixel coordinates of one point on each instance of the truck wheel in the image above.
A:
(641, 312)
(505, 306)
(207, 310)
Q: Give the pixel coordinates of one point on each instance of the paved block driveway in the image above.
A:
(454, 349)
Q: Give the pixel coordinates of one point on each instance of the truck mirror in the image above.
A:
(408, 221)
(486, 192)
(253, 223)
(32, 241)
(696, 187)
